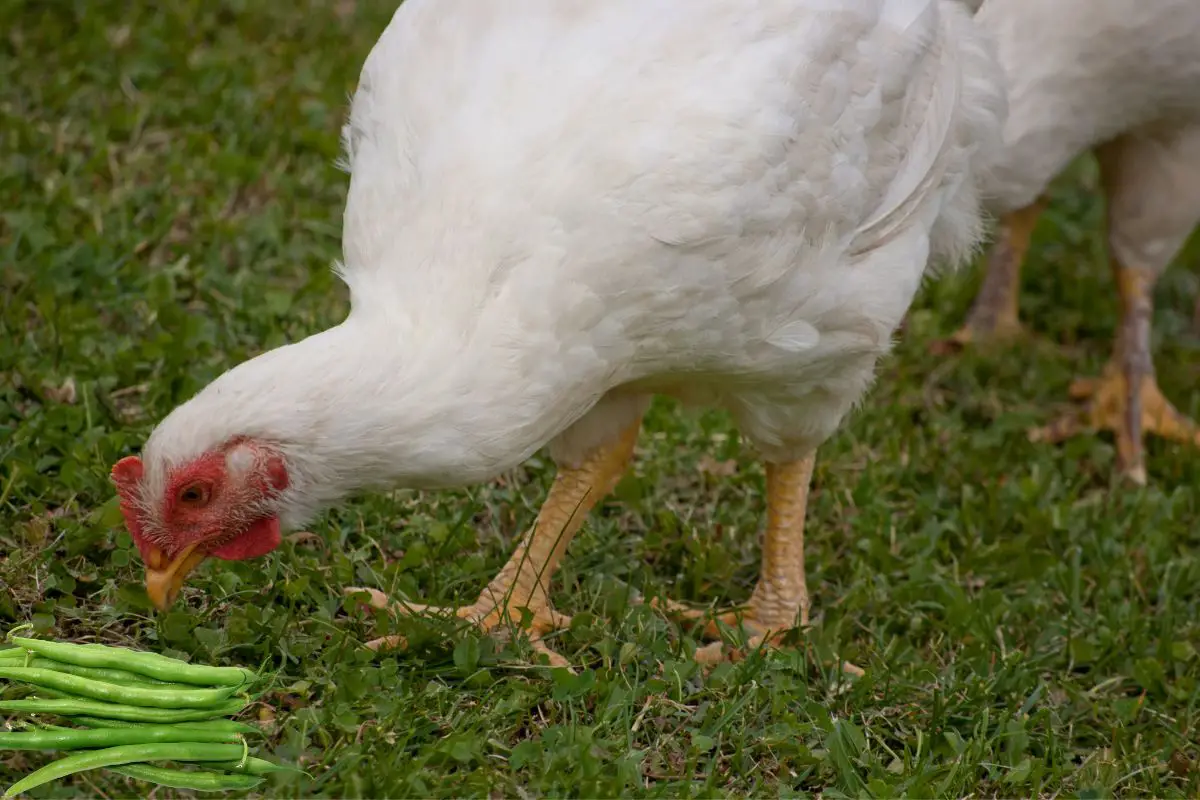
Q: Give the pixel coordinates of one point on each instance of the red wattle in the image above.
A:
(259, 539)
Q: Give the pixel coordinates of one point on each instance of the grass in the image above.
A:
(171, 207)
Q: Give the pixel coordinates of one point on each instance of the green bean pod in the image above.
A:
(143, 663)
(125, 754)
(196, 780)
(95, 708)
(133, 695)
(120, 676)
(14, 653)
(76, 738)
(255, 766)
(224, 725)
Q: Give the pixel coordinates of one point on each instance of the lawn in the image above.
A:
(171, 207)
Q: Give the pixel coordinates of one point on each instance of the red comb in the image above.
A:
(125, 474)
(127, 471)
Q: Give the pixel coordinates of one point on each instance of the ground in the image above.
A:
(1027, 626)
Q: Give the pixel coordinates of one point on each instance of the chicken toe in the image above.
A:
(488, 614)
(1126, 399)
(1110, 405)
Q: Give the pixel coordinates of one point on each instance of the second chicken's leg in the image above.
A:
(780, 599)
(993, 315)
(1126, 398)
(522, 586)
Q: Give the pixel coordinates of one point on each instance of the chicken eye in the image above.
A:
(194, 494)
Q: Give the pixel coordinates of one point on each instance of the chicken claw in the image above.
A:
(715, 651)
(1110, 405)
(486, 615)
(1125, 398)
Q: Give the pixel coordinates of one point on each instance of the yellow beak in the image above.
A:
(163, 583)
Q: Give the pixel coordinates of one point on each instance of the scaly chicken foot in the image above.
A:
(780, 600)
(994, 316)
(488, 613)
(1126, 399)
(1109, 406)
(757, 623)
(520, 592)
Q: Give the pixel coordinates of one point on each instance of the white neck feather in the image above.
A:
(352, 409)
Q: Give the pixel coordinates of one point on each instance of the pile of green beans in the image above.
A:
(129, 709)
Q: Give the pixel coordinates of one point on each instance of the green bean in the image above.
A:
(95, 708)
(75, 739)
(143, 663)
(120, 676)
(224, 725)
(12, 652)
(133, 695)
(196, 780)
(99, 722)
(256, 766)
(126, 754)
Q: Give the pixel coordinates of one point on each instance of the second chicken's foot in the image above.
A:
(1107, 406)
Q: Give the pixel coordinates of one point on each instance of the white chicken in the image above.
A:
(1122, 78)
(558, 208)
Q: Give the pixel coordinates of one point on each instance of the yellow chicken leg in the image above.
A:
(1126, 398)
(993, 315)
(524, 581)
(780, 599)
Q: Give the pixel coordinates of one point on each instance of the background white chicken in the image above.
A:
(558, 209)
(1121, 77)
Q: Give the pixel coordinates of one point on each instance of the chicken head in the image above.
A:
(219, 504)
